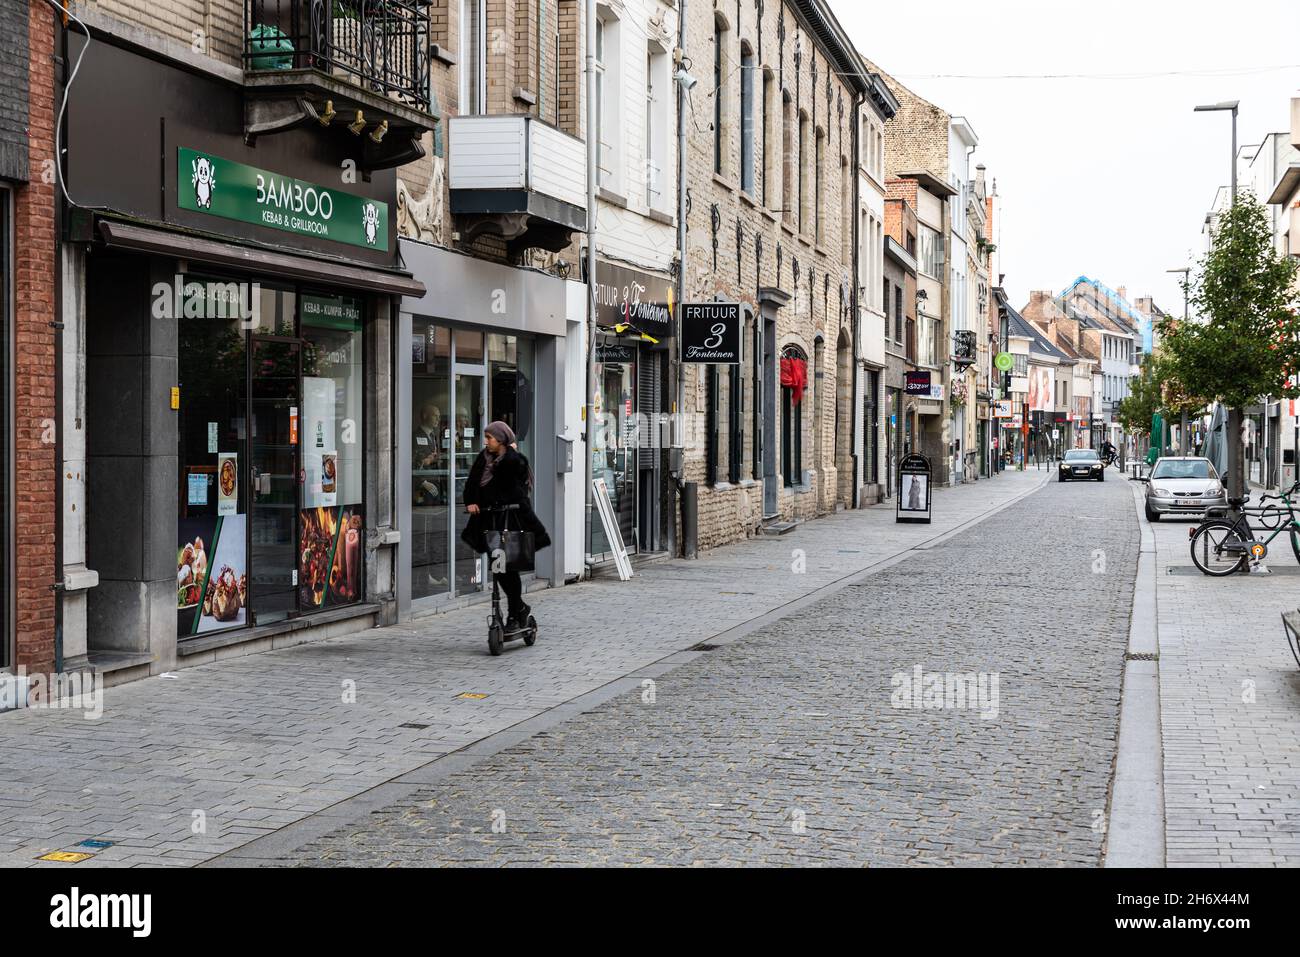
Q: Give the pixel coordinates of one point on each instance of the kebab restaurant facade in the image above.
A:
(229, 303)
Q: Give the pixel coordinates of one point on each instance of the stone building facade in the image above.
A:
(771, 172)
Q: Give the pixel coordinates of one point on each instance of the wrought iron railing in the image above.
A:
(964, 346)
(379, 45)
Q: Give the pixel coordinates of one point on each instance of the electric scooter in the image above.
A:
(497, 634)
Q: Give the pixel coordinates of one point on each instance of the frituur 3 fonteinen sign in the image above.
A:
(220, 187)
(711, 332)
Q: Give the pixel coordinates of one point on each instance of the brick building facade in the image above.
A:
(28, 566)
(771, 169)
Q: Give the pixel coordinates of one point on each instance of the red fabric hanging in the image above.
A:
(794, 374)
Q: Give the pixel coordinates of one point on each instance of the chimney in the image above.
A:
(1123, 292)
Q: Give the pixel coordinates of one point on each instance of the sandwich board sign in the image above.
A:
(913, 502)
(600, 492)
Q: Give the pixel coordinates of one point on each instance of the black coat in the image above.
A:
(509, 486)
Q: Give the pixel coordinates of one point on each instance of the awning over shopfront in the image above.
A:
(186, 246)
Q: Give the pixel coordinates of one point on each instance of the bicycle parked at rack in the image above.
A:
(1225, 541)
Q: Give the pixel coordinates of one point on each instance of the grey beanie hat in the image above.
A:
(501, 432)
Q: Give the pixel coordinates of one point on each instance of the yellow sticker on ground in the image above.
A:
(65, 857)
(472, 695)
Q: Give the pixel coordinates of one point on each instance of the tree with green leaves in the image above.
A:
(1136, 410)
(1247, 342)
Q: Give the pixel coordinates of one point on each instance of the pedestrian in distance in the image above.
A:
(501, 476)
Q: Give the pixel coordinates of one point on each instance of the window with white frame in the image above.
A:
(747, 119)
(609, 130)
(930, 259)
(656, 124)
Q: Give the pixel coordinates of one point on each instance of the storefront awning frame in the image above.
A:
(283, 265)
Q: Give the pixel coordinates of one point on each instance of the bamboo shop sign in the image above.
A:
(219, 187)
(711, 332)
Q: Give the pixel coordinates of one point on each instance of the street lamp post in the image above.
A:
(1235, 483)
(1182, 425)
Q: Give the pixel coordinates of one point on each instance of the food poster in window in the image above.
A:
(211, 574)
(319, 445)
(227, 483)
(331, 561)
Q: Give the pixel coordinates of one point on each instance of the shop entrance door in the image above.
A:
(274, 478)
(614, 443)
(470, 396)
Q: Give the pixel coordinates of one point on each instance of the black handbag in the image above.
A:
(513, 546)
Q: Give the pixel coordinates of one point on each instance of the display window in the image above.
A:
(462, 379)
(271, 510)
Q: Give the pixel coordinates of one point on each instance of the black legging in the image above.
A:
(514, 589)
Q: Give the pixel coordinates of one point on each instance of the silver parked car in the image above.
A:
(1182, 485)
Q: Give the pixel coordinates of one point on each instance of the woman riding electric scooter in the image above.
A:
(501, 476)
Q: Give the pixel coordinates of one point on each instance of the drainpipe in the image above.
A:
(854, 294)
(592, 147)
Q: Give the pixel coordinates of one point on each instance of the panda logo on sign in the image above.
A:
(370, 222)
(203, 180)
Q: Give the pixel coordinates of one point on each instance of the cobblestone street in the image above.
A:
(794, 745)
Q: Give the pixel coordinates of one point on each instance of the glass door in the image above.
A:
(614, 442)
(274, 479)
(470, 396)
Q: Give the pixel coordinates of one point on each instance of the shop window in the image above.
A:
(510, 387)
(430, 459)
(332, 515)
(615, 438)
(794, 383)
(271, 518)
(461, 379)
(212, 540)
(276, 309)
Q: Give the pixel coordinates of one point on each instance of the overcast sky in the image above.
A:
(1109, 178)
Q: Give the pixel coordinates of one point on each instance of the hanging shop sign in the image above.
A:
(711, 332)
(913, 490)
(637, 301)
(1004, 361)
(219, 187)
(1002, 409)
(917, 383)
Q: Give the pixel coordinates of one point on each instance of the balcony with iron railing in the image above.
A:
(356, 66)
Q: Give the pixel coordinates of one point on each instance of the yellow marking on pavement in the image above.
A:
(65, 857)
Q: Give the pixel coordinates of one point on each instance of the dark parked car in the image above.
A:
(1081, 464)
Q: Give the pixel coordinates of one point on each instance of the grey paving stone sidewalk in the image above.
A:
(794, 746)
(1229, 710)
(181, 769)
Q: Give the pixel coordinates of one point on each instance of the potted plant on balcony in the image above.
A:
(959, 393)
